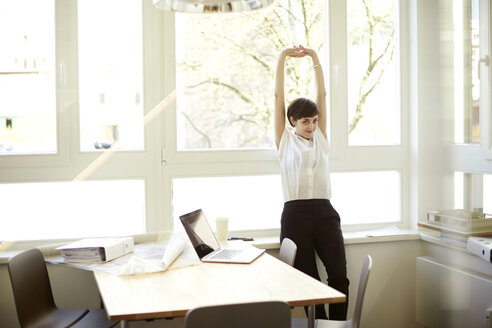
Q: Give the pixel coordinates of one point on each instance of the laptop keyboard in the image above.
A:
(226, 254)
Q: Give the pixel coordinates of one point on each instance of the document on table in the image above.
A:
(388, 231)
(146, 258)
(173, 250)
(381, 232)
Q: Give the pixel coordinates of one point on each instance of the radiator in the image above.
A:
(451, 296)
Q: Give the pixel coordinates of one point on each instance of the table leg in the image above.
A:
(311, 316)
(124, 324)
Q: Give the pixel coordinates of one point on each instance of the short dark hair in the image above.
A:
(301, 107)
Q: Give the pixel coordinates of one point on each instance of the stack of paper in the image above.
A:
(96, 249)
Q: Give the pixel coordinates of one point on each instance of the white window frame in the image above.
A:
(160, 162)
(70, 161)
(477, 158)
(347, 158)
(438, 156)
(206, 163)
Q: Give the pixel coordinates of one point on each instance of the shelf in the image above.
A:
(454, 231)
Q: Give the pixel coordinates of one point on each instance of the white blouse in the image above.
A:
(304, 166)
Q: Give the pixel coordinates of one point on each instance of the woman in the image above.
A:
(308, 218)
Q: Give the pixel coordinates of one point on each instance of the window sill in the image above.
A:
(48, 247)
(5, 255)
(363, 237)
(269, 243)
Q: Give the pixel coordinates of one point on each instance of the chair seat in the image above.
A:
(333, 324)
(58, 318)
(298, 323)
(303, 323)
(95, 318)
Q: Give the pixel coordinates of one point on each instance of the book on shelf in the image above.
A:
(96, 249)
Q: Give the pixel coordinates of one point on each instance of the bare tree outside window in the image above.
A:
(372, 73)
(376, 33)
(226, 63)
(225, 68)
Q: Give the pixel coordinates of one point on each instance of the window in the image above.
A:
(148, 116)
(111, 105)
(224, 108)
(42, 210)
(27, 119)
(469, 72)
(487, 193)
(250, 202)
(473, 192)
(73, 159)
(373, 87)
(383, 206)
(460, 51)
(457, 156)
(368, 138)
(224, 69)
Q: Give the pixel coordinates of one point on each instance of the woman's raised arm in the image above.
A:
(320, 88)
(279, 118)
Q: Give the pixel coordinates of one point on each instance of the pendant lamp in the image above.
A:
(211, 6)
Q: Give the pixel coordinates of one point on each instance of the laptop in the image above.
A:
(206, 245)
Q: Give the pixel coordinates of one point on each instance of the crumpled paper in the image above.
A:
(138, 265)
(176, 246)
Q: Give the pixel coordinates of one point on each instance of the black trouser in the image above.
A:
(314, 225)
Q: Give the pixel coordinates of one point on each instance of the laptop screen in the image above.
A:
(198, 230)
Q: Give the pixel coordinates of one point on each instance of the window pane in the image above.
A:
(487, 193)
(367, 197)
(459, 190)
(373, 87)
(110, 73)
(255, 202)
(472, 191)
(460, 55)
(51, 210)
(27, 77)
(250, 202)
(225, 68)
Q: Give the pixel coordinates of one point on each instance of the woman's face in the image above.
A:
(305, 126)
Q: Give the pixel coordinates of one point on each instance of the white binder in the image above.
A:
(96, 249)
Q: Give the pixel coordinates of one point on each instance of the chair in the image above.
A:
(288, 250)
(354, 322)
(96, 318)
(34, 300)
(272, 314)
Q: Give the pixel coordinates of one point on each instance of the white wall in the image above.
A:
(463, 288)
(390, 293)
(451, 296)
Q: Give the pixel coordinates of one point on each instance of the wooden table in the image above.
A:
(173, 293)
